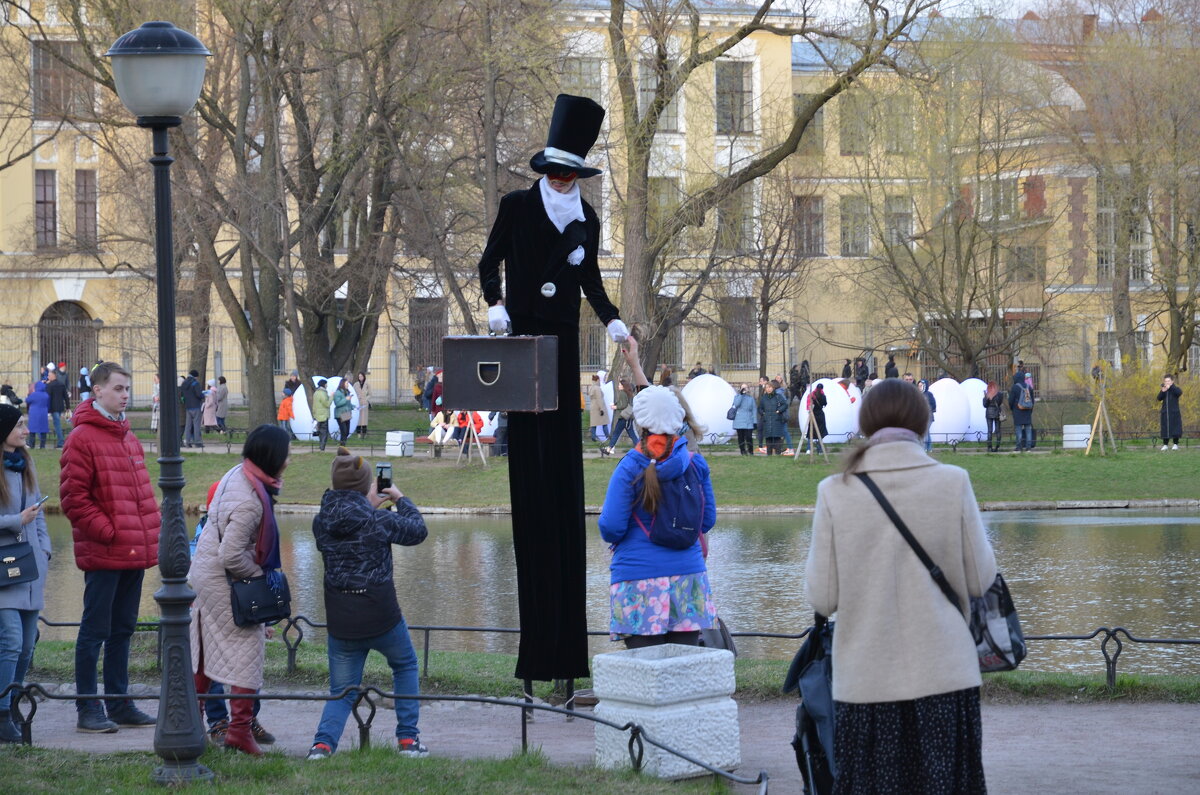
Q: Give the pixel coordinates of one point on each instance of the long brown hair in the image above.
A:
(28, 477)
(651, 490)
(891, 403)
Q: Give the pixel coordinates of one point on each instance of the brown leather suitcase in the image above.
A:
(500, 373)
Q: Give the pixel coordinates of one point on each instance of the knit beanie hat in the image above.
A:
(350, 472)
(657, 410)
(9, 417)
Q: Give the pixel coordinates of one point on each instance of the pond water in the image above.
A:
(1069, 572)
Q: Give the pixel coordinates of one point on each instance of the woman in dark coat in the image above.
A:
(993, 411)
(548, 238)
(773, 408)
(817, 401)
(1170, 421)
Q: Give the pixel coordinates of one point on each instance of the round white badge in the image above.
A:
(548, 289)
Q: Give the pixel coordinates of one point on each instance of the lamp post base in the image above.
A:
(173, 774)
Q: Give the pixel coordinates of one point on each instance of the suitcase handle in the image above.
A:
(488, 373)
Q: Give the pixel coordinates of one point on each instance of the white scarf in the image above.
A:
(561, 208)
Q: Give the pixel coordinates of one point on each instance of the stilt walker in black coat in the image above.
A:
(548, 239)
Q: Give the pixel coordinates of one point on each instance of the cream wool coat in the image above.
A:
(898, 637)
(233, 655)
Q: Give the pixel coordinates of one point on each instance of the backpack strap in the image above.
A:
(935, 571)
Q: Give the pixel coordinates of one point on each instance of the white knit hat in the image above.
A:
(657, 410)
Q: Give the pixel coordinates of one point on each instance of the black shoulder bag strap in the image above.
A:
(934, 570)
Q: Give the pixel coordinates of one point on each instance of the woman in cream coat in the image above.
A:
(905, 670)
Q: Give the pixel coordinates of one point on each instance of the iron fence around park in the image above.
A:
(293, 635)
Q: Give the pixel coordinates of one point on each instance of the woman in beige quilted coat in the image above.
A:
(241, 538)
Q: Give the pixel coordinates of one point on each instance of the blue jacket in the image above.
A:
(635, 556)
(1020, 416)
(38, 402)
(746, 412)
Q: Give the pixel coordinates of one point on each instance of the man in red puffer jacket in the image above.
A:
(106, 494)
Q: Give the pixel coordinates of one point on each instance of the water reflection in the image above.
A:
(1069, 572)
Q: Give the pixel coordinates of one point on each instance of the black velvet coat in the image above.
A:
(545, 451)
(1170, 420)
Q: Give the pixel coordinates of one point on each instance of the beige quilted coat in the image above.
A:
(232, 654)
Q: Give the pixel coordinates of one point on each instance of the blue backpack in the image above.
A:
(676, 522)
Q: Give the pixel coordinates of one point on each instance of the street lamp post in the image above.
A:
(783, 327)
(159, 71)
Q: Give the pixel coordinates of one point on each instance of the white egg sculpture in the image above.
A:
(953, 415)
(709, 397)
(841, 412)
(974, 389)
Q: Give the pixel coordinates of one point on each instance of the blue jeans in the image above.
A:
(58, 434)
(1025, 436)
(110, 611)
(18, 633)
(346, 661)
(216, 710)
(623, 426)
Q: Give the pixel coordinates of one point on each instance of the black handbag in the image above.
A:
(17, 563)
(718, 637)
(995, 626)
(254, 601)
(729, 415)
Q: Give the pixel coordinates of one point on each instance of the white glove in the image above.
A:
(617, 331)
(576, 256)
(498, 318)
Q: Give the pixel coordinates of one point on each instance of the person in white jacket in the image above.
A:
(905, 670)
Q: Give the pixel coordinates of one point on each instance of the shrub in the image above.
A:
(1131, 397)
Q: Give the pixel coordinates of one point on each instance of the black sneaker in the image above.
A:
(128, 716)
(92, 721)
(408, 746)
(319, 751)
(261, 735)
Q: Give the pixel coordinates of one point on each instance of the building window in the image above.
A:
(672, 349)
(735, 91)
(593, 340)
(739, 333)
(591, 190)
(281, 347)
(668, 120)
(856, 228)
(1107, 224)
(1027, 264)
(427, 324)
(898, 125)
(46, 207)
(813, 140)
(1108, 350)
(810, 226)
(581, 77)
(853, 123)
(86, 221)
(59, 90)
(998, 200)
(899, 220)
(662, 200)
(735, 222)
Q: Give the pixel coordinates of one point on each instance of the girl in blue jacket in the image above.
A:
(658, 594)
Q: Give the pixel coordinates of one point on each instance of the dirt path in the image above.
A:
(1040, 747)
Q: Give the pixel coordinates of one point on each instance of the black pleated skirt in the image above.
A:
(545, 475)
(927, 745)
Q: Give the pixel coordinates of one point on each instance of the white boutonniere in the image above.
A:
(576, 256)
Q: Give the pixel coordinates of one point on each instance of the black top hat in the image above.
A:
(574, 128)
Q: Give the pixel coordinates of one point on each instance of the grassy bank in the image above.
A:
(479, 673)
(738, 481)
(37, 770)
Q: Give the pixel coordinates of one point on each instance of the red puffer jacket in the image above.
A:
(106, 494)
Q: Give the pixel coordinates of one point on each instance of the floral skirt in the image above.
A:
(658, 605)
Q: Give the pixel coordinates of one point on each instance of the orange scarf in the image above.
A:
(657, 446)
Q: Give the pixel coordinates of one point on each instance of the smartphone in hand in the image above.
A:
(42, 501)
(383, 477)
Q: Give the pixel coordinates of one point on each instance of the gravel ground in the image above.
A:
(1033, 747)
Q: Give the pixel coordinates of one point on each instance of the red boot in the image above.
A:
(241, 714)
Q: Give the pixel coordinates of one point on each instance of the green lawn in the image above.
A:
(38, 770)
(1134, 473)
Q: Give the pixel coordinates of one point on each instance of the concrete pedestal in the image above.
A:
(399, 444)
(680, 695)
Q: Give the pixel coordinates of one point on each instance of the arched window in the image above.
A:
(67, 333)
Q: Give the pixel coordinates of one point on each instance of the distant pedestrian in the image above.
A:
(923, 385)
(773, 408)
(745, 414)
(208, 409)
(85, 384)
(222, 402)
(38, 403)
(363, 390)
(501, 444)
(696, 371)
(343, 410)
(1170, 420)
(861, 373)
(993, 410)
(847, 370)
(817, 401)
(320, 411)
(286, 413)
(155, 404)
(192, 395)
(1020, 402)
(60, 401)
(890, 370)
